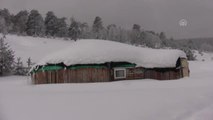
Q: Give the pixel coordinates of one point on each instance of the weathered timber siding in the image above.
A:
(135, 73)
(82, 75)
(72, 76)
(131, 74)
(87, 75)
(143, 73)
(162, 74)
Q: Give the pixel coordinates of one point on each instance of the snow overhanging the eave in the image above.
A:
(90, 51)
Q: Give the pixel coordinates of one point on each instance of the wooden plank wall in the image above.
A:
(101, 75)
(72, 76)
(162, 75)
(134, 73)
(88, 75)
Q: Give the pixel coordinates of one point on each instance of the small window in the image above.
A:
(119, 73)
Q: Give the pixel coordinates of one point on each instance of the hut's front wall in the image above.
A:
(104, 74)
(161, 74)
(88, 75)
(135, 73)
(131, 73)
(155, 73)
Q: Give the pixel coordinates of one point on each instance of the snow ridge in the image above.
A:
(91, 51)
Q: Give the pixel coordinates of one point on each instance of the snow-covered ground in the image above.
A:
(203, 56)
(184, 99)
(35, 47)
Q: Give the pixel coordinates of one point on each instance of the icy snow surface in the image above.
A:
(101, 51)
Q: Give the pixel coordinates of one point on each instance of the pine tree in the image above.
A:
(3, 26)
(8, 19)
(6, 58)
(62, 29)
(162, 36)
(29, 63)
(20, 21)
(136, 32)
(74, 30)
(85, 31)
(35, 24)
(111, 32)
(19, 67)
(97, 27)
(51, 24)
(136, 27)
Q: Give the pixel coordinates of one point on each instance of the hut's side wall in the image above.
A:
(185, 67)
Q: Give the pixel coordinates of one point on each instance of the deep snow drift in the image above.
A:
(184, 99)
(37, 48)
(34, 47)
(91, 51)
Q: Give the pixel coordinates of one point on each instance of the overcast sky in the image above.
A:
(157, 15)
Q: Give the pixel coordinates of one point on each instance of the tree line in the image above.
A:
(33, 24)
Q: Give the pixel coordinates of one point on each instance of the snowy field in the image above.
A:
(35, 47)
(185, 99)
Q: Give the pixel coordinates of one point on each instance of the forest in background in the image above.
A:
(31, 23)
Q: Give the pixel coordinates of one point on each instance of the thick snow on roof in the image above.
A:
(100, 51)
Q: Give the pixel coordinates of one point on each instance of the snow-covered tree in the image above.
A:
(35, 24)
(51, 22)
(74, 30)
(6, 58)
(19, 67)
(85, 31)
(206, 47)
(189, 52)
(152, 40)
(162, 36)
(8, 19)
(20, 21)
(136, 34)
(3, 26)
(112, 32)
(62, 30)
(98, 28)
(29, 63)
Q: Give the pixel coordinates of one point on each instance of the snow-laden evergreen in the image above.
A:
(6, 57)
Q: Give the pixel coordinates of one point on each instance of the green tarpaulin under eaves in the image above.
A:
(58, 67)
(49, 68)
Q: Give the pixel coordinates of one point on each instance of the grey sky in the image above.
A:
(157, 15)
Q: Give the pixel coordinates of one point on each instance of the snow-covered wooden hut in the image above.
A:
(103, 61)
